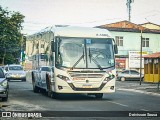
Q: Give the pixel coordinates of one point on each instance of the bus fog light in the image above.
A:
(112, 87)
(60, 87)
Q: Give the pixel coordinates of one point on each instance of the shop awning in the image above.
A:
(153, 55)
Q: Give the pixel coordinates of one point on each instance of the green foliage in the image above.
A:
(10, 35)
(10, 58)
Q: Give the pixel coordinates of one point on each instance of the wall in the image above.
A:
(131, 42)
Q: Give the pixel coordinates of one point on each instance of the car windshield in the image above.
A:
(15, 68)
(85, 53)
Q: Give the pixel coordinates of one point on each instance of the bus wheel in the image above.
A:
(50, 94)
(35, 88)
(54, 95)
(123, 78)
(99, 95)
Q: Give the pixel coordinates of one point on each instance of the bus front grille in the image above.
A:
(74, 74)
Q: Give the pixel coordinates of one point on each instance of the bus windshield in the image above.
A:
(81, 53)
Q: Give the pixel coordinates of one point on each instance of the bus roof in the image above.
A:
(75, 31)
(71, 31)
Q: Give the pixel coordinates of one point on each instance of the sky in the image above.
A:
(40, 14)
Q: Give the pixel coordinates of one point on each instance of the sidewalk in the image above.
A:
(134, 86)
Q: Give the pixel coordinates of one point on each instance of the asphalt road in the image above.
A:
(22, 98)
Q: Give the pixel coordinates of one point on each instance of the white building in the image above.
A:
(128, 38)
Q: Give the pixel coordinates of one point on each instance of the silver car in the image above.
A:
(15, 72)
(4, 86)
(129, 75)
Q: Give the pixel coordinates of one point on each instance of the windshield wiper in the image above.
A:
(94, 60)
(78, 61)
(90, 55)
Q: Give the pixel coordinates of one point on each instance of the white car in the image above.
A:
(15, 72)
(129, 75)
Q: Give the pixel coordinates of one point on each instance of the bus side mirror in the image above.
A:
(115, 49)
(53, 46)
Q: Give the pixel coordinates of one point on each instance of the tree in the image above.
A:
(10, 35)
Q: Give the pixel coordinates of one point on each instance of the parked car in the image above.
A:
(129, 75)
(15, 72)
(4, 86)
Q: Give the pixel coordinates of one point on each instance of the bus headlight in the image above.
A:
(107, 79)
(64, 78)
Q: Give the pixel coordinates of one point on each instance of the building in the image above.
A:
(128, 38)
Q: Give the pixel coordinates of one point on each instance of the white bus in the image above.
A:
(83, 61)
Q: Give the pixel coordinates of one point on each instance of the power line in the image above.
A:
(38, 23)
(34, 26)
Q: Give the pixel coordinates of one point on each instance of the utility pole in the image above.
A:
(141, 59)
(129, 8)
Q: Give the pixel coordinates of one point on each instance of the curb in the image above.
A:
(139, 91)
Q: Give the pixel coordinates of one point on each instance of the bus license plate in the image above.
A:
(87, 86)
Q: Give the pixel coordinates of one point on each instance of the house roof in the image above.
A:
(126, 26)
(149, 23)
(153, 55)
(151, 26)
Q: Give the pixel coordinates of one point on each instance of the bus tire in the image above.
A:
(54, 95)
(99, 95)
(49, 93)
(35, 88)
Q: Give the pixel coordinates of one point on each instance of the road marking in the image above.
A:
(126, 105)
(144, 109)
(119, 104)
